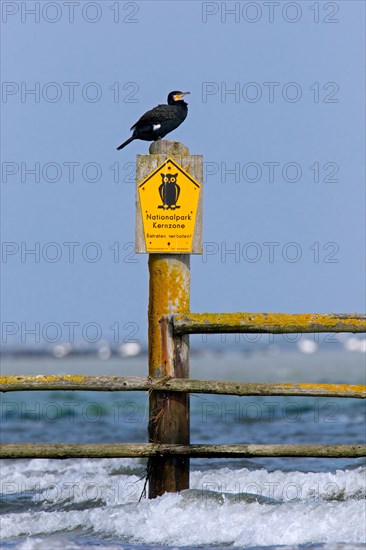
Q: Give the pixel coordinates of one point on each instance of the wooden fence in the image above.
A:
(167, 386)
(168, 383)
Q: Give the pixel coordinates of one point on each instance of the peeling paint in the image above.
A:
(168, 383)
(169, 295)
(275, 323)
(339, 388)
(5, 380)
(131, 450)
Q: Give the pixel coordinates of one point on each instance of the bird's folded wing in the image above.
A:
(154, 116)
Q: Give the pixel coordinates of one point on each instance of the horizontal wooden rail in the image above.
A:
(275, 323)
(143, 450)
(120, 383)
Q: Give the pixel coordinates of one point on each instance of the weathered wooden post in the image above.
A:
(169, 227)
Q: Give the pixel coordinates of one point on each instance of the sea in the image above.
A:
(261, 503)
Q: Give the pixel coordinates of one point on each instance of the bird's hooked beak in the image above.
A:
(180, 96)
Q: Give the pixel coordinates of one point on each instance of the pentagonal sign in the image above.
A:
(169, 201)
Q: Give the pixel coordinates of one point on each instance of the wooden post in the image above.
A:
(169, 294)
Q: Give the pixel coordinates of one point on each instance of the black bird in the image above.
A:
(158, 122)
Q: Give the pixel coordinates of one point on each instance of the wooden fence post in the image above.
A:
(169, 294)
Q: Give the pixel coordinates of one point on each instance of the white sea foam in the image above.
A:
(174, 520)
(55, 543)
(225, 506)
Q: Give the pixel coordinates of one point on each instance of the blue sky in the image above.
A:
(291, 132)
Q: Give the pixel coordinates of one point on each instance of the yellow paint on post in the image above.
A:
(168, 356)
(169, 294)
(169, 199)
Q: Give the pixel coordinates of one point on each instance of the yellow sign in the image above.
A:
(169, 200)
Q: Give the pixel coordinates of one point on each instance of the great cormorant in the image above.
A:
(158, 122)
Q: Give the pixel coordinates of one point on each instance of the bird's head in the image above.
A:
(175, 97)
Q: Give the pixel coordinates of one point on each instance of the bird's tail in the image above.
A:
(125, 143)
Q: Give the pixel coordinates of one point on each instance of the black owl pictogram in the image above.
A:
(169, 191)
